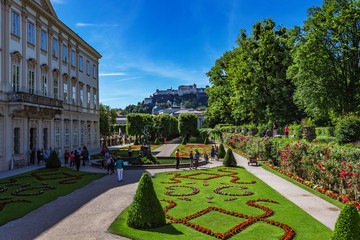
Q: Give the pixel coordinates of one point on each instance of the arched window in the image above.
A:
(31, 75)
(15, 72)
(56, 83)
(44, 80)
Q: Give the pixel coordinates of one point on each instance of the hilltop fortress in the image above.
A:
(184, 93)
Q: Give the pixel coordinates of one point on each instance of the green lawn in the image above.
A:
(185, 149)
(123, 152)
(46, 185)
(284, 211)
(172, 161)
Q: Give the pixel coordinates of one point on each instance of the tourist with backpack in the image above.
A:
(110, 165)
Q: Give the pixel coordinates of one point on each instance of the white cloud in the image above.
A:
(127, 79)
(111, 74)
(94, 24)
(57, 1)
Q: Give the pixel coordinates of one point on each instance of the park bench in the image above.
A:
(252, 160)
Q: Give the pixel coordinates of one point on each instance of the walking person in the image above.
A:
(120, 168)
(197, 157)
(77, 161)
(191, 157)
(72, 159)
(177, 157)
(66, 156)
(212, 153)
(129, 151)
(286, 130)
(206, 157)
(110, 165)
(275, 130)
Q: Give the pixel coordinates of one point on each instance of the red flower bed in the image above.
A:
(289, 232)
(323, 190)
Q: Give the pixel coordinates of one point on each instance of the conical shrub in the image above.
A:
(347, 226)
(206, 141)
(221, 152)
(136, 142)
(53, 161)
(229, 159)
(184, 141)
(145, 211)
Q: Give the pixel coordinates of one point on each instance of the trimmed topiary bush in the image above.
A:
(136, 142)
(145, 212)
(229, 159)
(206, 141)
(53, 161)
(348, 130)
(157, 142)
(184, 141)
(221, 152)
(347, 226)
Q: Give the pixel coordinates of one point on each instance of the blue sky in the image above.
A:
(159, 44)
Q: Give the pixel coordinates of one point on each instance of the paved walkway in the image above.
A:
(88, 212)
(165, 150)
(85, 213)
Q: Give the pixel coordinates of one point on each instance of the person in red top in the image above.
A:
(72, 159)
(286, 130)
(66, 156)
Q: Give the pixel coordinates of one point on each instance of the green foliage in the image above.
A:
(184, 141)
(188, 124)
(157, 141)
(117, 127)
(145, 211)
(249, 84)
(325, 69)
(325, 139)
(107, 117)
(53, 161)
(325, 131)
(347, 226)
(348, 129)
(135, 123)
(229, 159)
(165, 125)
(221, 152)
(206, 141)
(136, 142)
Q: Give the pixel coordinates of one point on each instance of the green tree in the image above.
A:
(188, 124)
(163, 125)
(136, 122)
(326, 60)
(262, 92)
(107, 117)
(219, 109)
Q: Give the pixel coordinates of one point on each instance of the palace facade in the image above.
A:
(49, 84)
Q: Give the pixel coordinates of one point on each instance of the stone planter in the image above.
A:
(309, 133)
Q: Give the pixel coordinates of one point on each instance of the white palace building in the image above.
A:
(49, 84)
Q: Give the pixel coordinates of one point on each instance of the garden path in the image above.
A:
(165, 150)
(318, 208)
(85, 213)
